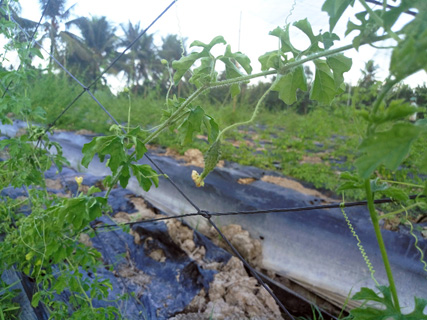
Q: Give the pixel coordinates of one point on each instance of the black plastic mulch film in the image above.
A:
(199, 212)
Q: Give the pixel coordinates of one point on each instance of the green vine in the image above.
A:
(45, 241)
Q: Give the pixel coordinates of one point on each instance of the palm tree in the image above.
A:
(173, 49)
(89, 53)
(55, 12)
(140, 63)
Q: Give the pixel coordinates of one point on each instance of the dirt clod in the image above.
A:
(232, 295)
(246, 180)
(131, 274)
(294, 185)
(248, 247)
(53, 184)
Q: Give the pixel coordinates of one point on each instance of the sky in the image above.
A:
(245, 25)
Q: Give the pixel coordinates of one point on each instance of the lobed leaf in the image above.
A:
(389, 311)
(397, 110)
(305, 27)
(324, 88)
(270, 60)
(192, 124)
(335, 9)
(339, 64)
(204, 73)
(106, 145)
(387, 147)
(184, 64)
(289, 83)
(285, 42)
(145, 175)
(328, 39)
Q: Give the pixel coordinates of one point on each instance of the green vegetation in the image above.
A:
(365, 131)
(312, 147)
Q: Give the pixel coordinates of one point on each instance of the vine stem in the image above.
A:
(380, 240)
(212, 85)
(175, 114)
(87, 299)
(254, 114)
(392, 214)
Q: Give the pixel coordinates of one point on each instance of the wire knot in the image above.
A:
(205, 214)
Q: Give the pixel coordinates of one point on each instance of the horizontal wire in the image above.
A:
(204, 214)
(274, 210)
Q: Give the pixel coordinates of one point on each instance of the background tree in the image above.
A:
(89, 53)
(55, 13)
(140, 62)
(172, 49)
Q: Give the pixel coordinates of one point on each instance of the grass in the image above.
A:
(313, 148)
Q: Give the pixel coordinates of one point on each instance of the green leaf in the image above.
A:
(305, 27)
(210, 45)
(328, 39)
(211, 127)
(242, 59)
(234, 89)
(387, 147)
(60, 284)
(285, 42)
(145, 175)
(106, 145)
(350, 181)
(377, 185)
(410, 55)
(323, 89)
(191, 125)
(335, 9)
(339, 64)
(203, 74)
(397, 110)
(367, 27)
(36, 298)
(270, 60)
(124, 176)
(184, 64)
(232, 70)
(388, 311)
(395, 194)
(289, 83)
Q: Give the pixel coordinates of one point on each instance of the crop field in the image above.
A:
(167, 197)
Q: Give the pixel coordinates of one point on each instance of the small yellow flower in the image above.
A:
(79, 181)
(197, 179)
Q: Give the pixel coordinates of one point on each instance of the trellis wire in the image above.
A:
(207, 215)
(252, 271)
(200, 212)
(109, 67)
(274, 210)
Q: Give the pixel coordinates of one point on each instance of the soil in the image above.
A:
(294, 185)
(191, 157)
(249, 248)
(233, 294)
